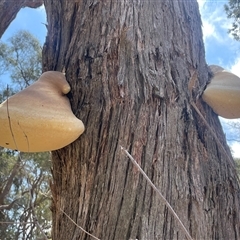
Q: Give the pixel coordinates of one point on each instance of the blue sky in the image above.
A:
(29, 19)
(220, 47)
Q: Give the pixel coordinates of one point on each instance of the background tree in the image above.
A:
(24, 179)
(3, 54)
(235, 126)
(22, 58)
(233, 11)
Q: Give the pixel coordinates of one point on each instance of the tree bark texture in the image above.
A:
(130, 65)
(10, 8)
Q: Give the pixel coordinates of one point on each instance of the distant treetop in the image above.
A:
(233, 11)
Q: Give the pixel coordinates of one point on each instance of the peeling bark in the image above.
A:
(9, 10)
(130, 65)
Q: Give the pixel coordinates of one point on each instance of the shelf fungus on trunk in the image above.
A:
(222, 94)
(39, 118)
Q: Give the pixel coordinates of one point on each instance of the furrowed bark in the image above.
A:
(130, 66)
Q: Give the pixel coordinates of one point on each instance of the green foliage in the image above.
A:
(233, 11)
(31, 189)
(235, 125)
(3, 55)
(22, 58)
(5, 93)
(24, 178)
(34, 199)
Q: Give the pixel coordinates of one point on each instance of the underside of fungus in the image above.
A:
(39, 118)
(223, 93)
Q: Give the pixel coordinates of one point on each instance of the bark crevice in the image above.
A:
(130, 66)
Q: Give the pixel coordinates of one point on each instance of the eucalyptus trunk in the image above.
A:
(135, 68)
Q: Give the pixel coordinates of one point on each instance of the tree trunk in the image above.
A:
(10, 8)
(131, 66)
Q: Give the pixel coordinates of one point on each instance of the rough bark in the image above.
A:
(10, 8)
(130, 64)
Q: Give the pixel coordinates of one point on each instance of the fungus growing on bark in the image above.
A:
(39, 118)
(223, 93)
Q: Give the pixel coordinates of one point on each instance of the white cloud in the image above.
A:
(235, 149)
(235, 68)
(215, 36)
(208, 30)
(201, 4)
(232, 134)
(215, 22)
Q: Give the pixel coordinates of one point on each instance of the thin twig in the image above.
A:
(158, 192)
(193, 79)
(8, 206)
(16, 223)
(34, 215)
(10, 179)
(10, 124)
(217, 140)
(78, 225)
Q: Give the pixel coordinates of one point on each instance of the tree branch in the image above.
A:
(10, 180)
(34, 216)
(9, 206)
(9, 10)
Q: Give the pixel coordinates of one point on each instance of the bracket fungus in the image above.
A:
(222, 94)
(39, 118)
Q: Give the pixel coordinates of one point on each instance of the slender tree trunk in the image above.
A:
(134, 68)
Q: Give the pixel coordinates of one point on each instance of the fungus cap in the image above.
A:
(223, 93)
(39, 118)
